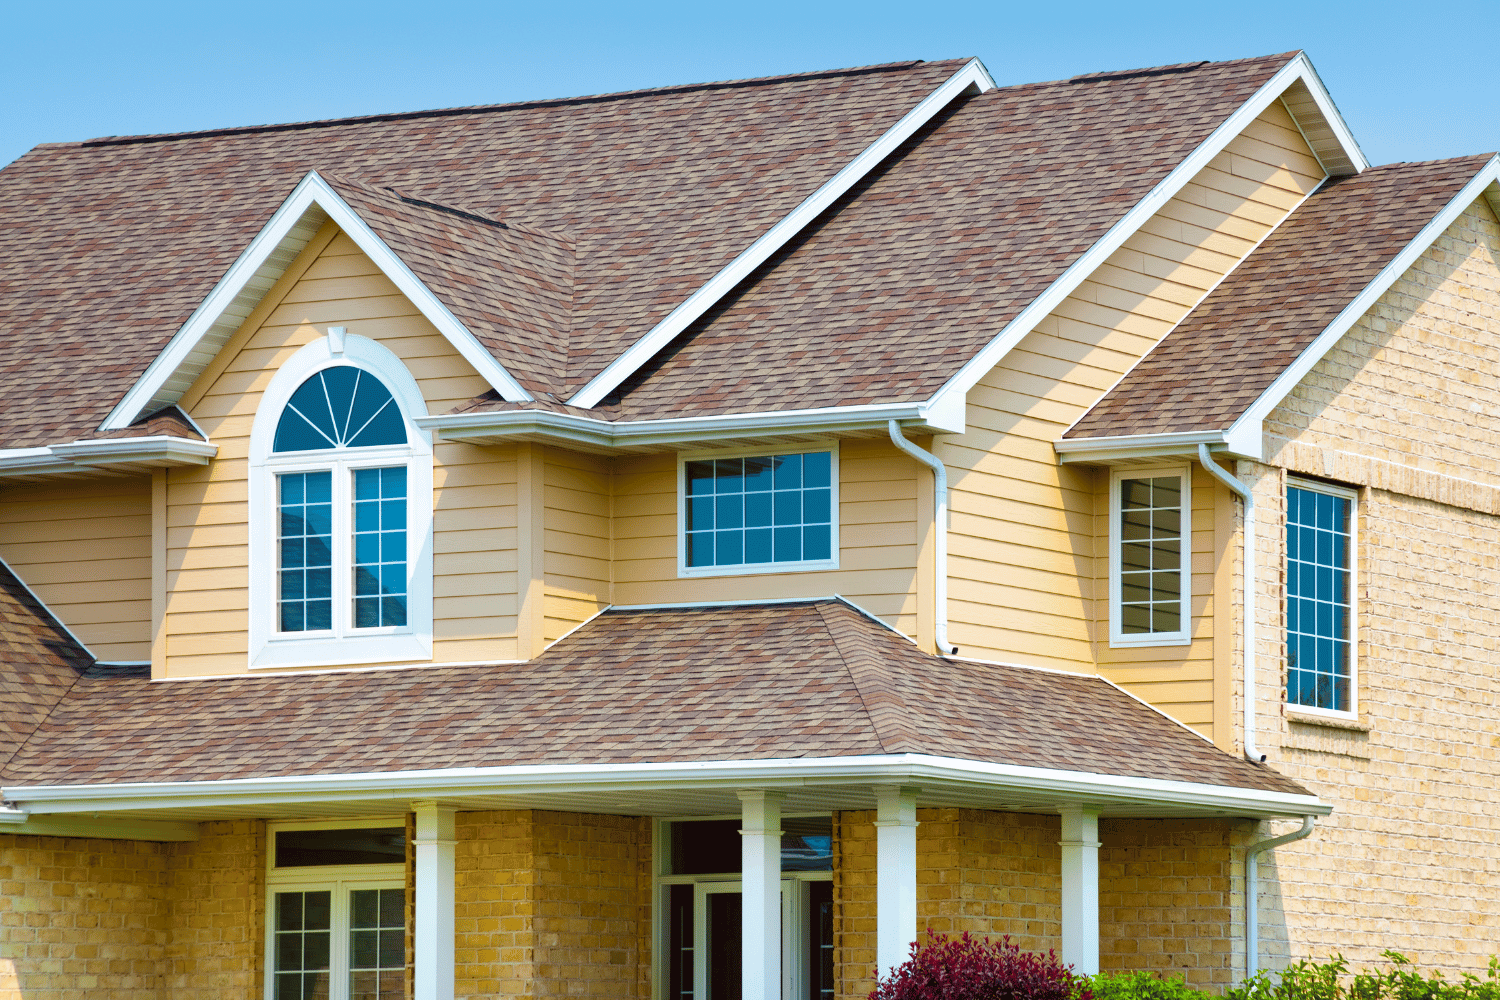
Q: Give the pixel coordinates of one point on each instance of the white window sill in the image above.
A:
(1332, 720)
(1134, 642)
(757, 569)
(334, 651)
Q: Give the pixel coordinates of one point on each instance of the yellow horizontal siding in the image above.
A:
(85, 550)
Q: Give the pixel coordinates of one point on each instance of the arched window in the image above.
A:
(344, 508)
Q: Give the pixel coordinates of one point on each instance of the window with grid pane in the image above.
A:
(760, 510)
(1319, 598)
(1150, 558)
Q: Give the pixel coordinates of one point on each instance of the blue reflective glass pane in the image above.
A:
(318, 553)
(319, 487)
(366, 582)
(367, 548)
(788, 508)
(788, 544)
(729, 475)
(338, 385)
(366, 484)
(292, 551)
(758, 510)
(292, 619)
(759, 474)
(366, 612)
(374, 418)
(700, 548)
(319, 583)
(367, 515)
(319, 615)
(729, 548)
(387, 427)
(815, 506)
(815, 469)
(816, 542)
(393, 578)
(758, 545)
(292, 489)
(788, 473)
(319, 518)
(393, 546)
(700, 511)
(729, 511)
(393, 513)
(700, 478)
(393, 610)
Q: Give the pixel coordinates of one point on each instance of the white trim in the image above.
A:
(684, 571)
(106, 454)
(489, 428)
(1298, 68)
(1125, 448)
(43, 604)
(972, 76)
(1352, 495)
(365, 823)
(672, 605)
(1183, 636)
(1244, 435)
(311, 191)
(268, 647)
(923, 770)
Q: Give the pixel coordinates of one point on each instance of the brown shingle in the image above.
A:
(1209, 370)
(812, 679)
(39, 662)
(107, 247)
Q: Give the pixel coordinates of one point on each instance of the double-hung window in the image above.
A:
(336, 912)
(1320, 547)
(758, 513)
(1150, 571)
(340, 516)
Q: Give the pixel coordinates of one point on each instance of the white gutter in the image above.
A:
(1122, 447)
(1252, 890)
(157, 451)
(971, 77)
(609, 434)
(939, 530)
(1247, 566)
(1105, 791)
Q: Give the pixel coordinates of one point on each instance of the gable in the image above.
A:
(1410, 385)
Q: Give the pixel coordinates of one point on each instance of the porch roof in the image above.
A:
(633, 689)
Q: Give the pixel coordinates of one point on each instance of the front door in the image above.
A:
(717, 940)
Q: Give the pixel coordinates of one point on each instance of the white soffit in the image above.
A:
(1298, 72)
(1244, 436)
(972, 78)
(310, 205)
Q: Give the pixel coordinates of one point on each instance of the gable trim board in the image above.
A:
(973, 77)
(1297, 71)
(1112, 794)
(311, 203)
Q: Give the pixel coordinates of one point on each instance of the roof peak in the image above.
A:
(476, 109)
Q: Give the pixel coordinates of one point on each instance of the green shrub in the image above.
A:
(1141, 986)
(1329, 980)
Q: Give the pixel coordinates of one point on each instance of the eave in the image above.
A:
(589, 434)
(1136, 448)
(693, 788)
(105, 456)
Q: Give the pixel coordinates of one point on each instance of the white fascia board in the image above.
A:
(1330, 112)
(311, 190)
(932, 772)
(1244, 436)
(973, 76)
(679, 430)
(1044, 304)
(1127, 447)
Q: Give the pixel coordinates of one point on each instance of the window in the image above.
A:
(336, 913)
(1150, 558)
(749, 513)
(1320, 597)
(340, 512)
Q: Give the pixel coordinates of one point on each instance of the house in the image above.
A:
(685, 543)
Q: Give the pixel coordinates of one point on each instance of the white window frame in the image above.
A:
(1352, 495)
(337, 879)
(343, 644)
(1183, 636)
(760, 569)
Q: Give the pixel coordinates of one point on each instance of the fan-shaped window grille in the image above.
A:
(341, 407)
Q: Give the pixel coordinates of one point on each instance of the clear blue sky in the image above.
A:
(1415, 80)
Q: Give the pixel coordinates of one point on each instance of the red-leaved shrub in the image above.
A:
(970, 968)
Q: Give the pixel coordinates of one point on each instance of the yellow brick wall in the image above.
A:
(553, 904)
(82, 918)
(218, 895)
(1166, 900)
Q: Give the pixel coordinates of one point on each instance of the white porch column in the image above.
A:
(895, 875)
(760, 887)
(1080, 888)
(433, 935)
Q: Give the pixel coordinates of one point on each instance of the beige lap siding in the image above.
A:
(1026, 532)
(85, 549)
(577, 496)
(879, 532)
(474, 517)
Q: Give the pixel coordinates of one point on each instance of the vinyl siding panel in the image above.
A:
(84, 548)
(1029, 544)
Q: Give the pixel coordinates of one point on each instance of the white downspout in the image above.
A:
(1247, 565)
(1252, 890)
(939, 528)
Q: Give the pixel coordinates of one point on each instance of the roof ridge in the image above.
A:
(884, 705)
(317, 123)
